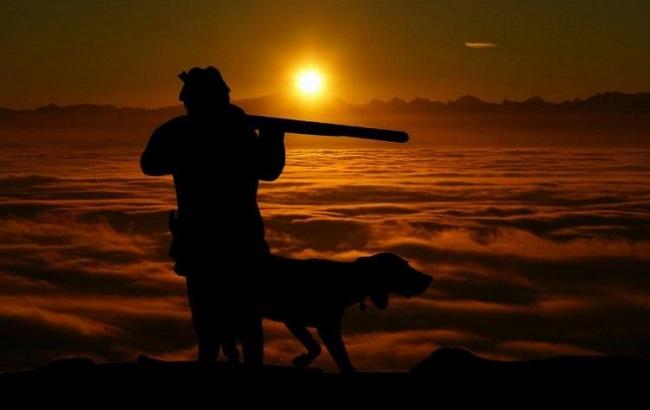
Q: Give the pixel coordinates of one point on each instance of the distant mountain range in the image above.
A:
(603, 102)
(604, 118)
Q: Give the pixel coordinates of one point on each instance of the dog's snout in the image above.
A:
(419, 283)
(425, 282)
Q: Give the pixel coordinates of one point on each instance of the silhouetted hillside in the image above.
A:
(445, 365)
(463, 364)
(610, 118)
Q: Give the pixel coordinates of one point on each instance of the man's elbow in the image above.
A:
(151, 172)
(271, 173)
(270, 176)
(149, 168)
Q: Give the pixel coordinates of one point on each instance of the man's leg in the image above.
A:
(251, 335)
(227, 332)
(229, 346)
(202, 319)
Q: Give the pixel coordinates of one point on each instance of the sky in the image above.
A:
(129, 53)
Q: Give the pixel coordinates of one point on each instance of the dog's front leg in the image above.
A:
(305, 337)
(330, 333)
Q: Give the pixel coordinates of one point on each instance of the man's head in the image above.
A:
(204, 90)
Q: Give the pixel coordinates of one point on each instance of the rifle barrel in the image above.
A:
(326, 129)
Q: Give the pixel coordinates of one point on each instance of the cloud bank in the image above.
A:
(534, 252)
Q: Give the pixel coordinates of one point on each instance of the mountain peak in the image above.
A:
(534, 100)
(467, 101)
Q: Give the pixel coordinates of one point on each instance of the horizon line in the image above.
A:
(387, 101)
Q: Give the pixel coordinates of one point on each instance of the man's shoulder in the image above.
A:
(176, 124)
(237, 114)
(239, 119)
(236, 110)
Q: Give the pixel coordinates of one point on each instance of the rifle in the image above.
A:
(326, 129)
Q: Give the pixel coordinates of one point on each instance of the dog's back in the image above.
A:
(307, 289)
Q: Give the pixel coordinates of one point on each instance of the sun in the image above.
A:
(310, 82)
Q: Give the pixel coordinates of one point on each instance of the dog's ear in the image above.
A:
(380, 300)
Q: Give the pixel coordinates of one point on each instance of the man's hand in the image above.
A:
(271, 154)
(273, 134)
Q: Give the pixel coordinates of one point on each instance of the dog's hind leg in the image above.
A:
(313, 347)
(330, 332)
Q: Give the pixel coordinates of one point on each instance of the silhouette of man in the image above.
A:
(217, 159)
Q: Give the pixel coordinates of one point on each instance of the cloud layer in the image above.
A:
(534, 252)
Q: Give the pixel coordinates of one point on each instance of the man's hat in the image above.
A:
(203, 80)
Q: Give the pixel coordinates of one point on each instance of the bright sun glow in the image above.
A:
(310, 82)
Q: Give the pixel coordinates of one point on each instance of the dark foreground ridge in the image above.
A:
(447, 371)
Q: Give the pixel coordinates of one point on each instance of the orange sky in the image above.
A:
(128, 53)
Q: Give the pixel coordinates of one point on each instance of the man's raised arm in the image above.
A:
(270, 154)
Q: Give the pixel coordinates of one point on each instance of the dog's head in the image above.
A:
(388, 273)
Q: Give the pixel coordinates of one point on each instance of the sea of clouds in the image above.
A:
(534, 252)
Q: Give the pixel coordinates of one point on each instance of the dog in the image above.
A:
(305, 293)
